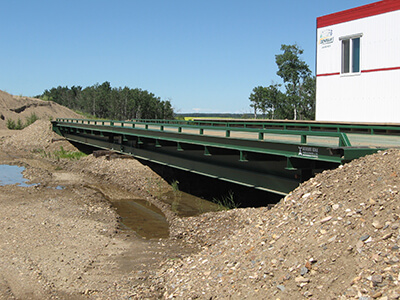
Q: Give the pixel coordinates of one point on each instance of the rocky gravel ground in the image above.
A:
(334, 237)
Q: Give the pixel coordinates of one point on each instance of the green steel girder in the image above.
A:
(267, 147)
(274, 166)
(199, 163)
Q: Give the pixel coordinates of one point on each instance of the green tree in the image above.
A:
(295, 74)
(103, 101)
(275, 102)
(133, 104)
(168, 111)
(257, 98)
(307, 99)
(269, 100)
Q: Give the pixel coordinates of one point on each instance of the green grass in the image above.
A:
(31, 119)
(227, 202)
(72, 155)
(10, 124)
(175, 185)
(18, 125)
(60, 154)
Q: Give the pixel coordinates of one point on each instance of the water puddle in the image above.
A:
(142, 217)
(187, 205)
(58, 187)
(146, 219)
(149, 222)
(139, 215)
(13, 175)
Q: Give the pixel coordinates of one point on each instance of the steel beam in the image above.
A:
(277, 166)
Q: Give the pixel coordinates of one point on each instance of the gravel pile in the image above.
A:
(334, 237)
(37, 136)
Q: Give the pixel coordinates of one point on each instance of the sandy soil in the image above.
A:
(67, 243)
(18, 107)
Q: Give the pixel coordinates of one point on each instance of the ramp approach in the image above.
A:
(271, 156)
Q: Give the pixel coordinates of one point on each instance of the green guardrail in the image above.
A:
(162, 125)
(392, 129)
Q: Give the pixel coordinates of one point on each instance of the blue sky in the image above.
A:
(203, 56)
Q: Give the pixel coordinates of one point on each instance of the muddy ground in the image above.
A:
(337, 236)
(67, 243)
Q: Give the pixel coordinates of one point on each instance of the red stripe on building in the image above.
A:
(363, 71)
(381, 69)
(328, 74)
(365, 11)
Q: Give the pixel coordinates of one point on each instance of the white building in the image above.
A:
(358, 64)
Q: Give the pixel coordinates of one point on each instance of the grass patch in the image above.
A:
(18, 125)
(10, 124)
(60, 154)
(227, 202)
(72, 155)
(175, 185)
(31, 119)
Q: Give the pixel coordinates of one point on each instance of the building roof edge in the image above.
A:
(360, 12)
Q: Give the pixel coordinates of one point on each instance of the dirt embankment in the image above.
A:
(17, 107)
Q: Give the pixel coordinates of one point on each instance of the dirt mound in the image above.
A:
(15, 107)
(35, 137)
(335, 237)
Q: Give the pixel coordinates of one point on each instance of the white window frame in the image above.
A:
(350, 39)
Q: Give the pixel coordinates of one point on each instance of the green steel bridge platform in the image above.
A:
(275, 156)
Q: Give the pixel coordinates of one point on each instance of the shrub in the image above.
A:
(31, 119)
(19, 125)
(10, 124)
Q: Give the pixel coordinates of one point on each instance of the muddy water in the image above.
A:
(142, 217)
(146, 219)
(139, 215)
(186, 205)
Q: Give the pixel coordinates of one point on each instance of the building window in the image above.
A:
(351, 54)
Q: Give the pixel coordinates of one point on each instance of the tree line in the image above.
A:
(297, 100)
(103, 101)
